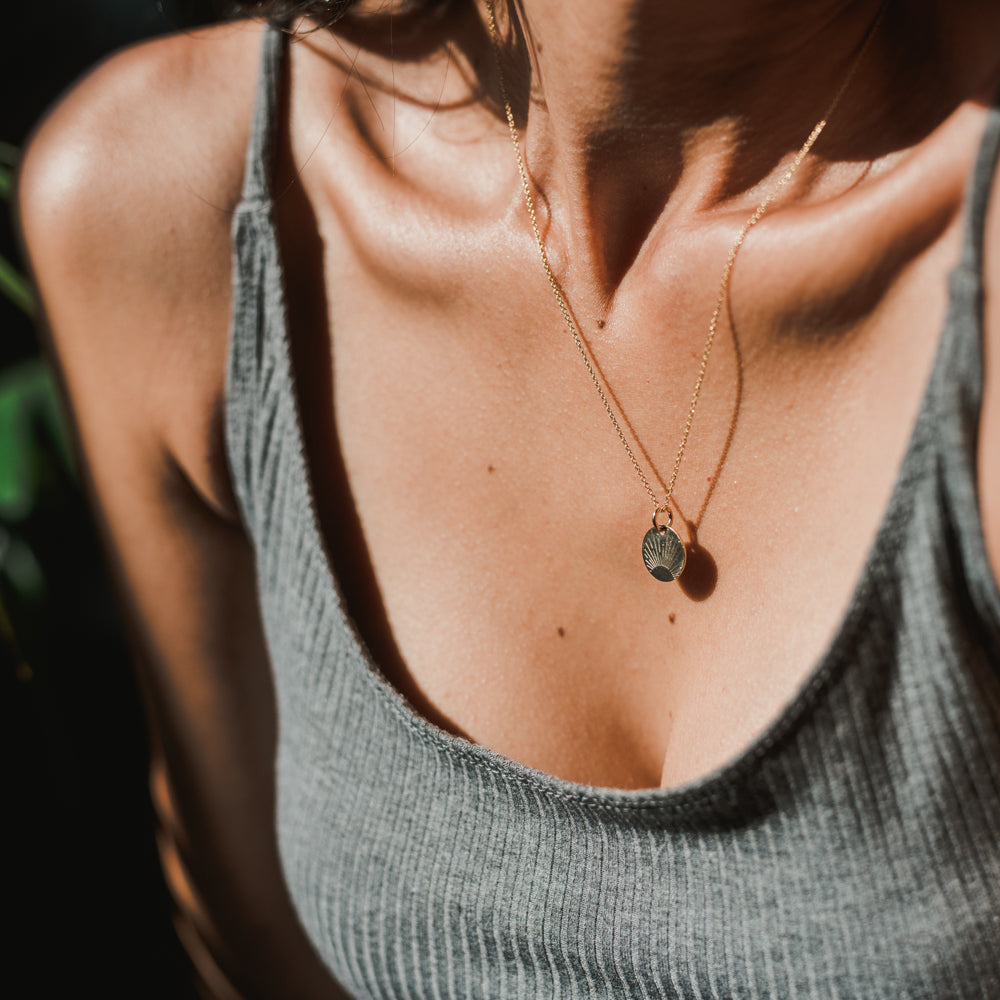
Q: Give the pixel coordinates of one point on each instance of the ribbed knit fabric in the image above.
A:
(853, 851)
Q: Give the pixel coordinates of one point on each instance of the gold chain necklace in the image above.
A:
(663, 552)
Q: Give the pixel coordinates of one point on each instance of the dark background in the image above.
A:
(80, 874)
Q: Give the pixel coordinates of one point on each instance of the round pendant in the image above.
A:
(663, 553)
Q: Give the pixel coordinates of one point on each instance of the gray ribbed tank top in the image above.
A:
(853, 851)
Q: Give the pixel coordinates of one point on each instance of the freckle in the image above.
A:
(490, 468)
(600, 324)
(561, 631)
(673, 618)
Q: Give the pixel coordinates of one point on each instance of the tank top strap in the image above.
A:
(260, 148)
(961, 355)
(978, 192)
(257, 375)
(956, 390)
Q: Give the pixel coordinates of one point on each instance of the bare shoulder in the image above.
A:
(125, 199)
(166, 103)
(989, 431)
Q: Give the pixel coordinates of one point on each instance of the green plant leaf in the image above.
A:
(10, 157)
(16, 287)
(34, 438)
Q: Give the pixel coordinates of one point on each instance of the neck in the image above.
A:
(637, 103)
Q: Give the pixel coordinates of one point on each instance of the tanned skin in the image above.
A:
(475, 501)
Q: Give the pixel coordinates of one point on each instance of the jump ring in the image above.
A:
(660, 509)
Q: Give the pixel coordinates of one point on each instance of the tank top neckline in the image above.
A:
(952, 375)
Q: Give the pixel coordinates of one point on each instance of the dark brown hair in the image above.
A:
(328, 12)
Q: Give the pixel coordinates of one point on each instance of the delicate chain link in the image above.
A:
(727, 271)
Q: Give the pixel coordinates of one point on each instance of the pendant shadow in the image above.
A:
(701, 573)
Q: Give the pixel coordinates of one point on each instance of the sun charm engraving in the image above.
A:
(663, 552)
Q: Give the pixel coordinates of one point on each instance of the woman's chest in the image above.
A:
(485, 514)
(493, 555)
